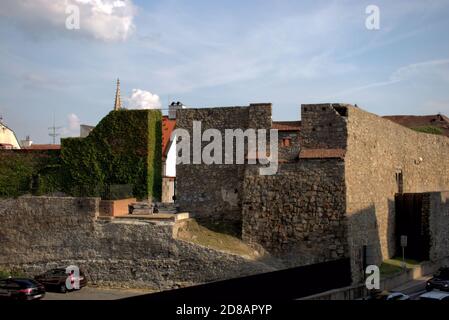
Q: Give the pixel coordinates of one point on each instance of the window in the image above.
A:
(400, 181)
(286, 142)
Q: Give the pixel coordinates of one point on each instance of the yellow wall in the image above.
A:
(7, 136)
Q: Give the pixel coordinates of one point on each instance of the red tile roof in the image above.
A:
(43, 147)
(437, 120)
(286, 125)
(321, 153)
(168, 125)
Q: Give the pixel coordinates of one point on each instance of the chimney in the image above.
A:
(173, 107)
(26, 143)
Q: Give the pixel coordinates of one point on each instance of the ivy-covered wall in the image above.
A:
(123, 154)
(29, 171)
(121, 157)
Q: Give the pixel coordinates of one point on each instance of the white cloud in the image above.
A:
(141, 99)
(107, 20)
(432, 71)
(432, 68)
(74, 121)
(206, 54)
(72, 128)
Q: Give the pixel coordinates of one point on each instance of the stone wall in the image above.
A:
(323, 126)
(210, 191)
(288, 153)
(44, 229)
(299, 213)
(382, 158)
(351, 159)
(437, 203)
(38, 233)
(214, 191)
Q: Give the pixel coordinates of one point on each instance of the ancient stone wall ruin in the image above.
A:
(39, 233)
(299, 213)
(341, 189)
(437, 204)
(323, 126)
(383, 158)
(214, 191)
(290, 152)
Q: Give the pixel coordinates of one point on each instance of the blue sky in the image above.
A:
(218, 53)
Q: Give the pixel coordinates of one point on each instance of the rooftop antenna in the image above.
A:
(53, 131)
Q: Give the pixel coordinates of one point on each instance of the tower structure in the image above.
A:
(118, 101)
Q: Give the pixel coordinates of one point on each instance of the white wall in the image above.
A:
(170, 162)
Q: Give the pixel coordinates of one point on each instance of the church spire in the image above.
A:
(118, 101)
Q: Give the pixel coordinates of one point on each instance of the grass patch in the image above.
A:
(392, 266)
(428, 129)
(232, 228)
(387, 269)
(193, 232)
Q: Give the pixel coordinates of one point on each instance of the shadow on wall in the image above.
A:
(364, 241)
(231, 227)
(438, 210)
(156, 164)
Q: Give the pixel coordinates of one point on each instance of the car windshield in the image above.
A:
(56, 272)
(26, 282)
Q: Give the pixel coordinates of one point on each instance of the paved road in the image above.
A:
(89, 293)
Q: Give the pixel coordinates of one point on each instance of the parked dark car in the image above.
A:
(387, 296)
(21, 289)
(55, 279)
(439, 281)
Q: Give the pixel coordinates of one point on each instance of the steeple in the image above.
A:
(118, 101)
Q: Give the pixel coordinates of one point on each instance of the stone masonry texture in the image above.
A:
(327, 206)
(299, 213)
(378, 149)
(38, 233)
(335, 202)
(437, 206)
(196, 191)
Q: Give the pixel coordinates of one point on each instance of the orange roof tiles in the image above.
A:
(322, 153)
(168, 125)
(437, 120)
(43, 147)
(286, 125)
